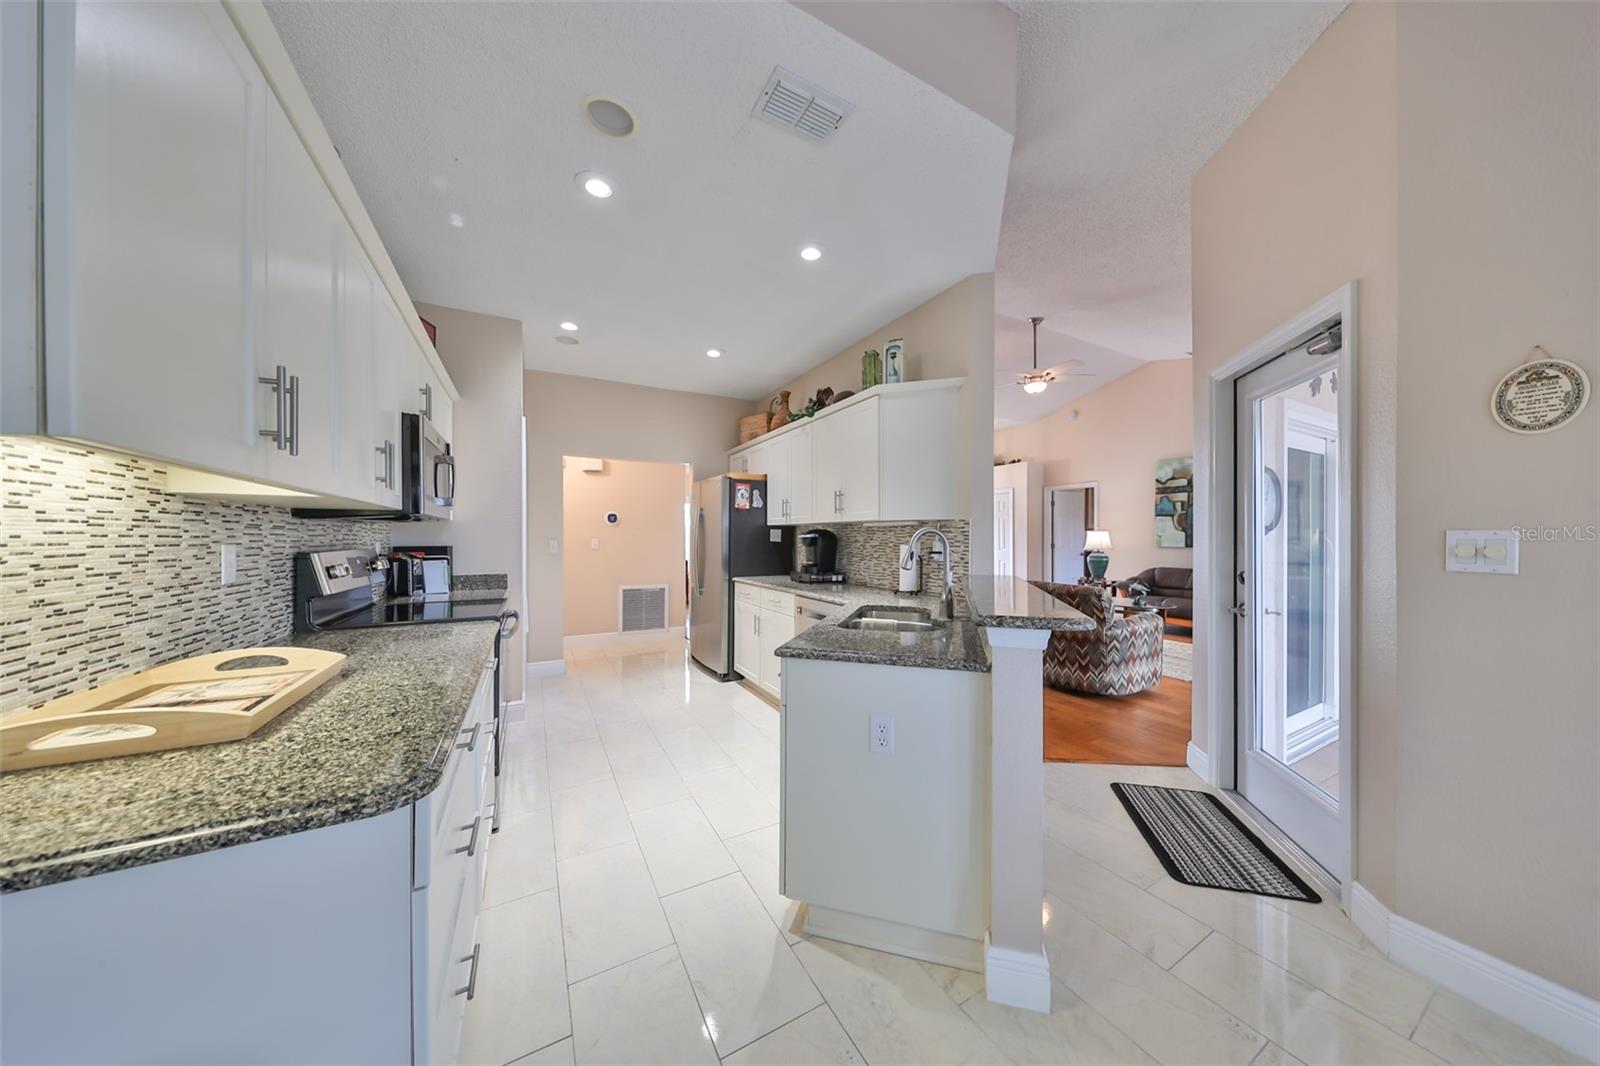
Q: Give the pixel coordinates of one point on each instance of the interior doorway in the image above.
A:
(1071, 511)
(625, 569)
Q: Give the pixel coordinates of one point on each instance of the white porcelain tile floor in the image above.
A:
(633, 915)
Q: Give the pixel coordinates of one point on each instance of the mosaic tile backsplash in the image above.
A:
(102, 573)
(869, 553)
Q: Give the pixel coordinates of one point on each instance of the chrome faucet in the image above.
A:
(948, 601)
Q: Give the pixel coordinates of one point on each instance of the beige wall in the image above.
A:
(645, 547)
(484, 357)
(949, 336)
(1444, 157)
(1122, 430)
(585, 416)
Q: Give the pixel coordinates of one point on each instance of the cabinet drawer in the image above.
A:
(782, 602)
(746, 594)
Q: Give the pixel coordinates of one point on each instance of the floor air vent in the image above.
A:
(795, 104)
(643, 607)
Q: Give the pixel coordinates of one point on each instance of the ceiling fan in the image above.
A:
(1036, 381)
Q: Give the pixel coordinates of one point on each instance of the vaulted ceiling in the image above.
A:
(471, 112)
(1118, 105)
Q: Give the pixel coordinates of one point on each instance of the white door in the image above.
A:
(1289, 762)
(298, 328)
(801, 471)
(747, 640)
(1003, 531)
(780, 489)
(1071, 518)
(855, 433)
(152, 162)
(777, 629)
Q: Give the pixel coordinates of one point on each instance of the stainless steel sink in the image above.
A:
(892, 619)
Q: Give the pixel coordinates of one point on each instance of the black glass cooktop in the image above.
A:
(418, 612)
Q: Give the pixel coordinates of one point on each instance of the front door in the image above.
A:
(1286, 586)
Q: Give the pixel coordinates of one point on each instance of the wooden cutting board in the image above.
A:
(208, 699)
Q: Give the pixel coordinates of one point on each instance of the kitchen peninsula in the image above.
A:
(896, 769)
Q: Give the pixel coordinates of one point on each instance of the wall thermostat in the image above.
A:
(611, 518)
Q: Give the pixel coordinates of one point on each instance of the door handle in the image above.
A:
(280, 395)
(1269, 610)
(294, 414)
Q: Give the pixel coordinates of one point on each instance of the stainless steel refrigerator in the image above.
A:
(731, 539)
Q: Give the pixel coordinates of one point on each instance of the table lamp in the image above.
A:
(1097, 542)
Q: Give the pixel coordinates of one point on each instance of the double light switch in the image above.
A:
(1481, 551)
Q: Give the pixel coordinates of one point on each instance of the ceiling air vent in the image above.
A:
(796, 104)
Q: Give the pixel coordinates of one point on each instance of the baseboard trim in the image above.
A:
(1541, 1006)
(1199, 762)
(1370, 916)
(547, 668)
(881, 934)
(597, 640)
(1015, 978)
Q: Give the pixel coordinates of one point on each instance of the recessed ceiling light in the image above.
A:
(570, 327)
(608, 116)
(456, 220)
(594, 185)
(811, 253)
(715, 353)
(562, 338)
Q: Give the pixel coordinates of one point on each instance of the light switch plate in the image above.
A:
(1481, 551)
(594, 544)
(555, 547)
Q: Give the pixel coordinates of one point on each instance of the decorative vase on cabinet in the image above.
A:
(893, 358)
(871, 368)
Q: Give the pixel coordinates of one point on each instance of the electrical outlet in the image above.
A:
(880, 738)
(230, 564)
(555, 547)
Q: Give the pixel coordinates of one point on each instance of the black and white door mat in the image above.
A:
(1200, 842)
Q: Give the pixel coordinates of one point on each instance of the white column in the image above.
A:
(1016, 969)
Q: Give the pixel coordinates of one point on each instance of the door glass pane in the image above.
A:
(1295, 606)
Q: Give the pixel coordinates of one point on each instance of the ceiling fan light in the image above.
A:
(1033, 388)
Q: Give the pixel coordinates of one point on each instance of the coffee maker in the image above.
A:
(819, 553)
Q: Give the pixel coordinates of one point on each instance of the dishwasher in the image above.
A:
(808, 612)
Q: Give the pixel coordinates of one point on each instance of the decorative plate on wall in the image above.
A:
(1540, 395)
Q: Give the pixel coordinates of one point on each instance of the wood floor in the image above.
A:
(1148, 729)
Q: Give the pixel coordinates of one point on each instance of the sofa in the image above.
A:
(1171, 587)
(1119, 657)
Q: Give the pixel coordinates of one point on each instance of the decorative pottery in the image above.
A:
(871, 368)
(893, 360)
(778, 413)
(839, 397)
(823, 398)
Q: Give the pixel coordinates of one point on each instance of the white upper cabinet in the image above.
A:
(208, 299)
(299, 334)
(153, 129)
(890, 453)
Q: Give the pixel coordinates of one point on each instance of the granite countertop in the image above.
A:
(1005, 602)
(360, 746)
(957, 645)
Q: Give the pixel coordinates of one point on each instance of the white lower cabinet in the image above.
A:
(763, 621)
(291, 949)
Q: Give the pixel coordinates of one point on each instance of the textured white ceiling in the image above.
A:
(473, 109)
(1118, 105)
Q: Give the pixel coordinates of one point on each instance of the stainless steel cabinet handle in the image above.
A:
(758, 623)
(294, 415)
(280, 395)
(472, 842)
(386, 453)
(472, 742)
(471, 988)
(427, 402)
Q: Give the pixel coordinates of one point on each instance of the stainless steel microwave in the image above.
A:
(427, 478)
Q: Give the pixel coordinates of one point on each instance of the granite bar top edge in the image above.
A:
(956, 645)
(1009, 602)
(480, 583)
(91, 857)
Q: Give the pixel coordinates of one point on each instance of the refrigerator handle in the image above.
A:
(700, 555)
